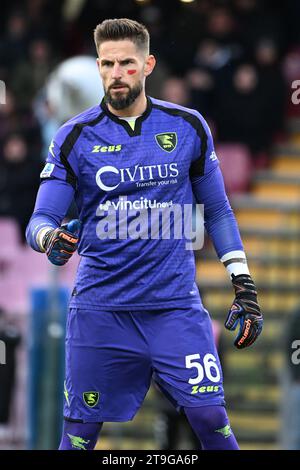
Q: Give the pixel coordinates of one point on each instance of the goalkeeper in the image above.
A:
(135, 310)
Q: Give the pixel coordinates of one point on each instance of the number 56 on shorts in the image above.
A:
(206, 368)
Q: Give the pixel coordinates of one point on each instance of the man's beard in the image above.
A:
(123, 100)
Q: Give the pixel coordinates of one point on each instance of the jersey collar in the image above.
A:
(138, 123)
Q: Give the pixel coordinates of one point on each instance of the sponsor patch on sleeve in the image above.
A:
(47, 171)
(213, 157)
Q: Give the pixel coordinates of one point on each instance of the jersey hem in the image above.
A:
(101, 419)
(214, 401)
(184, 303)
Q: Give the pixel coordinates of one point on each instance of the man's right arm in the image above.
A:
(53, 200)
(57, 189)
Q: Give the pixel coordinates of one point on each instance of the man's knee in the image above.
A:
(207, 416)
(211, 425)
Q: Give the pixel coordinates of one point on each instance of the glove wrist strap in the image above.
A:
(244, 287)
(42, 238)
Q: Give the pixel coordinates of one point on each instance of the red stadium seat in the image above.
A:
(236, 166)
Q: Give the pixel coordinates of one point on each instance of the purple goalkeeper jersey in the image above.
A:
(121, 178)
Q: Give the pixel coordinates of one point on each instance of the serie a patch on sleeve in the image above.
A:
(47, 171)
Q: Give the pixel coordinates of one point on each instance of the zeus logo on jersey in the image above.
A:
(135, 174)
(104, 149)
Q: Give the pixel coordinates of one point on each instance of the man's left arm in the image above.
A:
(221, 225)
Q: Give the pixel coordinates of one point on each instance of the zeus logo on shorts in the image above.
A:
(208, 389)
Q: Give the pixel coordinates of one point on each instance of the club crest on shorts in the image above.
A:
(91, 398)
(167, 141)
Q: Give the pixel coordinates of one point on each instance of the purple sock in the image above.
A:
(79, 436)
(211, 425)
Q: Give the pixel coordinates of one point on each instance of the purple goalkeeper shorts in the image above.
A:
(111, 358)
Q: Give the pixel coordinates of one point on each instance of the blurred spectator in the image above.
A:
(14, 119)
(30, 74)
(256, 19)
(202, 87)
(19, 180)
(14, 43)
(175, 90)
(221, 26)
(45, 20)
(8, 115)
(266, 54)
(211, 56)
(242, 114)
(212, 64)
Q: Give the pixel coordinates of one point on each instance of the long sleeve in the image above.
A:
(58, 184)
(53, 200)
(219, 218)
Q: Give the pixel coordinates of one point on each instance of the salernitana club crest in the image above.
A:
(167, 141)
(91, 398)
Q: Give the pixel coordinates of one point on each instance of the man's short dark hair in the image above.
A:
(122, 28)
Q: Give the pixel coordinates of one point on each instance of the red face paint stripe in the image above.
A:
(131, 72)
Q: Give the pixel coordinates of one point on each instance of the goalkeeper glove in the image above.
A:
(60, 243)
(244, 311)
